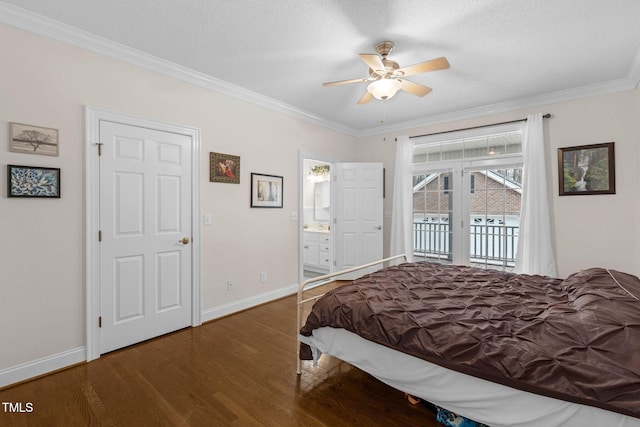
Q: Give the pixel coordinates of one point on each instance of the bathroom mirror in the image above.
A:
(322, 201)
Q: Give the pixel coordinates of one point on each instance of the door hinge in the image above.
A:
(100, 322)
(99, 235)
(99, 144)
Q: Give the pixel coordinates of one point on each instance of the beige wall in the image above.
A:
(48, 83)
(588, 231)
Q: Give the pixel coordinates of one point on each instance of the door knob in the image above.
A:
(379, 227)
(184, 241)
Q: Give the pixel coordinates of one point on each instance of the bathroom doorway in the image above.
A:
(341, 215)
(317, 210)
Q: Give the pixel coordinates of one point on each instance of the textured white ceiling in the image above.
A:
(500, 51)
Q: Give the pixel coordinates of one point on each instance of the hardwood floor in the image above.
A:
(235, 371)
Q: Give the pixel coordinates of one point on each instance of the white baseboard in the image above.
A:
(54, 362)
(243, 304)
(42, 366)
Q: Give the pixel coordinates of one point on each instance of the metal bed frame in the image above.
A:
(323, 281)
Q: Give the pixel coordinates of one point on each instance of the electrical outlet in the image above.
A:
(263, 277)
(230, 284)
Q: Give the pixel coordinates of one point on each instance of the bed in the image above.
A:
(499, 348)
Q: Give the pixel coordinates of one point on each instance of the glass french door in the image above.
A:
(468, 213)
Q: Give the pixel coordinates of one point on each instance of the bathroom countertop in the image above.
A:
(316, 229)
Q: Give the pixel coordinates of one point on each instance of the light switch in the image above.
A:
(294, 216)
(207, 219)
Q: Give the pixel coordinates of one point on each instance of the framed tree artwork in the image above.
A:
(29, 139)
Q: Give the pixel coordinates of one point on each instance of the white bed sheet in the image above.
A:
(490, 403)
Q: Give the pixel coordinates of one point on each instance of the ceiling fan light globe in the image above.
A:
(384, 89)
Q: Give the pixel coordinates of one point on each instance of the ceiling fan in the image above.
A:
(386, 76)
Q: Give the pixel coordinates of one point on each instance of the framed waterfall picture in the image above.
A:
(586, 169)
(266, 191)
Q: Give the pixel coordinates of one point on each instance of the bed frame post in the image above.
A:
(304, 286)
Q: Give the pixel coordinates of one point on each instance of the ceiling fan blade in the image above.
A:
(373, 61)
(365, 98)
(346, 82)
(432, 65)
(414, 88)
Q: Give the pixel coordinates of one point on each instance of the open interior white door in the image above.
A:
(358, 214)
(145, 224)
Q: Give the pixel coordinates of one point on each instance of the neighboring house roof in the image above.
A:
(512, 185)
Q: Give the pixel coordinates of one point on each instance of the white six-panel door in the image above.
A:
(358, 214)
(145, 225)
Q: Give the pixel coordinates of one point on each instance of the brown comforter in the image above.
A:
(576, 339)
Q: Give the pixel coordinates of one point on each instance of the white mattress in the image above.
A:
(477, 399)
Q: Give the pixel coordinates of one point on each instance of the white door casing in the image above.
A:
(143, 279)
(358, 214)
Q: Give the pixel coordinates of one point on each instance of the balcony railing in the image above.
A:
(489, 244)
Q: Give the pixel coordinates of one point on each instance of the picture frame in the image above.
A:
(266, 190)
(224, 168)
(586, 169)
(30, 139)
(33, 181)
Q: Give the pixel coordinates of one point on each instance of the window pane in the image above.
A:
(475, 147)
(432, 218)
(479, 181)
(419, 201)
(495, 201)
(496, 145)
(433, 152)
(453, 150)
(420, 154)
(513, 142)
(495, 219)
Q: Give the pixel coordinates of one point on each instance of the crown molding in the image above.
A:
(628, 83)
(38, 24)
(634, 71)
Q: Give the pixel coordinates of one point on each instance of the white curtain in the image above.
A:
(535, 253)
(402, 213)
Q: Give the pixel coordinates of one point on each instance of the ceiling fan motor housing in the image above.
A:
(389, 68)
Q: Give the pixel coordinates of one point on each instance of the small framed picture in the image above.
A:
(32, 181)
(29, 139)
(587, 169)
(266, 191)
(224, 168)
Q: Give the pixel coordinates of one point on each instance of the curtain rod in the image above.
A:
(546, 116)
